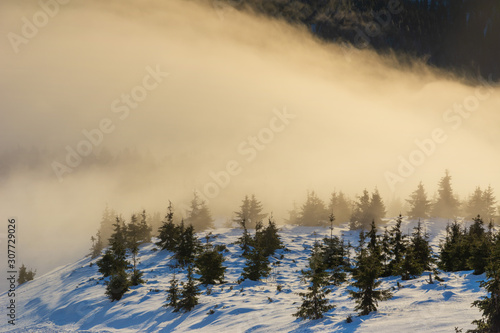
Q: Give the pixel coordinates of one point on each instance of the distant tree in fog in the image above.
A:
(250, 212)
(481, 203)
(106, 225)
(313, 211)
(368, 209)
(340, 206)
(446, 204)
(199, 215)
(419, 204)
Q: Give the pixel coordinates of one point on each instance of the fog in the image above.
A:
(258, 105)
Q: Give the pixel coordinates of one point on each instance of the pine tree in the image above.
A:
(340, 206)
(365, 275)
(169, 233)
(188, 246)
(314, 302)
(398, 245)
(25, 275)
(134, 238)
(268, 238)
(114, 263)
(480, 247)
(189, 294)
(250, 212)
(490, 305)
(419, 205)
(420, 248)
(209, 264)
(246, 241)
(455, 250)
(106, 225)
(489, 201)
(313, 212)
(447, 204)
(256, 265)
(144, 230)
(97, 245)
(376, 207)
(199, 215)
(173, 293)
(361, 215)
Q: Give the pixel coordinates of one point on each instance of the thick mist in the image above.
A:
(225, 103)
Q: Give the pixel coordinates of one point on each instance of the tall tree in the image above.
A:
(361, 214)
(106, 225)
(188, 246)
(209, 264)
(377, 207)
(447, 204)
(419, 204)
(250, 212)
(97, 245)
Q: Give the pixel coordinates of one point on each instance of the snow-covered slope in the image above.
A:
(71, 298)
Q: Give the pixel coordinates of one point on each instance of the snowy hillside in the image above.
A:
(71, 298)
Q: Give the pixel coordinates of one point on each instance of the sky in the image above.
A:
(229, 103)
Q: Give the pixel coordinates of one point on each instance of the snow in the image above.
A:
(71, 298)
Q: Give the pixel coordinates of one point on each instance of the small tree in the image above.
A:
(398, 246)
(169, 233)
(189, 294)
(173, 293)
(420, 248)
(268, 238)
(25, 275)
(256, 266)
(144, 229)
(314, 301)
(97, 245)
(209, 264)
(117, 286)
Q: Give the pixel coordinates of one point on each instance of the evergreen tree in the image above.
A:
(173, 293)
(376, 208)
(106, 225)
(489, 201)
(475, 205)
(314, 302)
(455, 250)
(256, 265)
(199, 215)
(189, 294)
(313, 212)
(134, 237)
(209, 264)
(144, 230)
(188, 246)
(480, 247)
(25, 275)
(250, 212)
(447, 204)
(490, 305)
(268, 238)
(398, 245)
(420, 249)
(340, 206)
(361, 215)
(246, 241)
(114, 263)
(169, 233)
(97, 245)
(419, 205)
(365, 275)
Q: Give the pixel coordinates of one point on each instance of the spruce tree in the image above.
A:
(447, 204)
(361, 214)
(188, 246)
(106, 225)
(199, 215)
(420, 249)
(169, 233)
(173, 293)
(209, 264)
(365, 274)
(489, 201)
(419, 205)
(398, 245)
(144, 229)
(490, 305)
(376, 207)
(256, 265)
(25, 275)
(314, 301)
(341, 206)
(189, 294)
(268, 238)
(246, 240)
(313, 211)
(97, 245)
(455, 250)
(117, 285)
